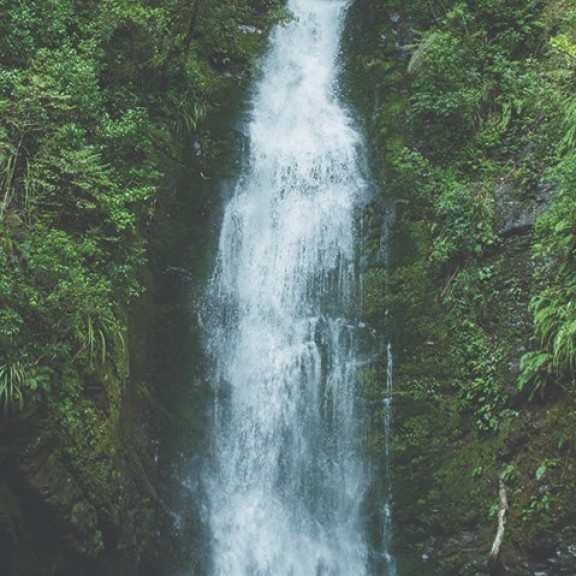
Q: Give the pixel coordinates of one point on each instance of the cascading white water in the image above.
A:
(287, 478)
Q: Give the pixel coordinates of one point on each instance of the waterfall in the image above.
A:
(287, 478)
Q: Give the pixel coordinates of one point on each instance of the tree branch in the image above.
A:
(494, 560)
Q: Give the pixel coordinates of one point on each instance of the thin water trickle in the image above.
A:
(287, 477)
(386, 515)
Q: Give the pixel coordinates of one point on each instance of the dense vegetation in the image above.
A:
(99, 102)
(95, 99)
(491, 102)
(473, 131)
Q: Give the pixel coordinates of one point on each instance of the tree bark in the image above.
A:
(494, 560)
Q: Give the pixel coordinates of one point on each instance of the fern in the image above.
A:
(98, 336)
(12, 377)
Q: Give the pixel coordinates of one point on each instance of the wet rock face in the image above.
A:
(516, 212)
(35, 495)
(558, 559)
(54, 521)
(10, 518)
(562, 561)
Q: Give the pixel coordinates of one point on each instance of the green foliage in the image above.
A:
(12, 381)
(98, 102)
(449, 90)
(468, 70)
(534, 371)
(461, 212)
(479, 388)
(553, 304)
(27, 26)
(491, 100)
(466, 216)
(18, 379)
(555, 322)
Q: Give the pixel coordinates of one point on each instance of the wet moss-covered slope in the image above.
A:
(467, 108)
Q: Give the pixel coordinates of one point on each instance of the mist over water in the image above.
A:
(287, 478)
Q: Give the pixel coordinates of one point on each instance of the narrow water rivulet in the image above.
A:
(287, 478)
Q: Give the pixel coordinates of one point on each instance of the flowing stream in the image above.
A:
(287, 476)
